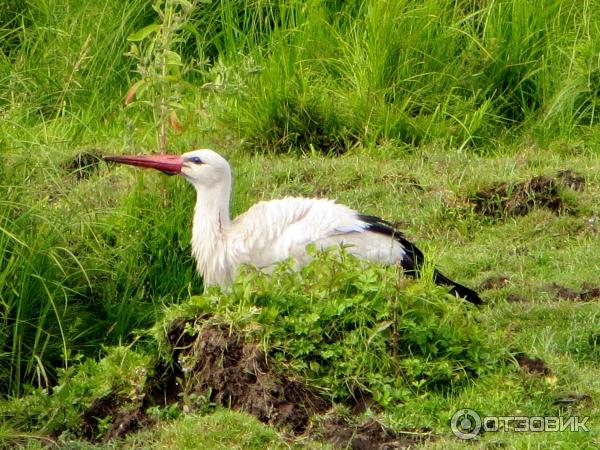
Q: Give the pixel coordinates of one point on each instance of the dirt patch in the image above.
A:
(563, 292)
(495, 282)
(100, 408)
(83, 164)
(572, 399)
(213, 362)
(518, 199)
(534, 366)
(515, 298)
(217, 364)
(361, 402)
(123, 418)
(371, 435)
(236, 375)
(586, 293)
(126, 422)
(589, 292)
(571, 180)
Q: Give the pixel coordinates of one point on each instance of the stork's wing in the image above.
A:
(272, 231)
(275, 230)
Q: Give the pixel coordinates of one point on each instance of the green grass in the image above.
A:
(425, 104)
(225, 429)
(408, 72)
(531, 251)
(73, 278)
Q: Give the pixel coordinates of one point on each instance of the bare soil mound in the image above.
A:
(518, 199)
(124, 416)
(535, 366)
(371, 435)
(214, 362)
(587, 292)
(83, 164)
(218, 363)
(236, 375)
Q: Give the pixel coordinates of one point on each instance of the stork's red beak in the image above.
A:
(169, 164)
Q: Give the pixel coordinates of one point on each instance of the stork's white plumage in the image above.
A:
(272, 231)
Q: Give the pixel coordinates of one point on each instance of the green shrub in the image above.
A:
(120, 375)
(348, 326)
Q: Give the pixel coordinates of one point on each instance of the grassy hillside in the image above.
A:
(471, 125)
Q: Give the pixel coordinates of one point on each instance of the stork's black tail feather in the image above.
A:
(457, 289)
(413, 259)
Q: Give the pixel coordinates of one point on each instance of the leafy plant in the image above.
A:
(350, 326)
(120, 375)
(160, 66)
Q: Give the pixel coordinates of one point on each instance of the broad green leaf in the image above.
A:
(172, 58)
(143, 33)
(130, 96)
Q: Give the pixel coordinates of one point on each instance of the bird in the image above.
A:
(275, 230)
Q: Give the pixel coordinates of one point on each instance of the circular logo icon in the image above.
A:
(465, 424)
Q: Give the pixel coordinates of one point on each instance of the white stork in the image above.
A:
(272, 231)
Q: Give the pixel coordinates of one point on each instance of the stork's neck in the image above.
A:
(212, 208)
(209, 234)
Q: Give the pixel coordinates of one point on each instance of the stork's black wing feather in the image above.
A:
(413, 259)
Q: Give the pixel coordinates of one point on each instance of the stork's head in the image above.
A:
(203, 168)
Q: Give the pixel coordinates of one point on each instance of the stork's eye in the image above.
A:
(195, 160)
